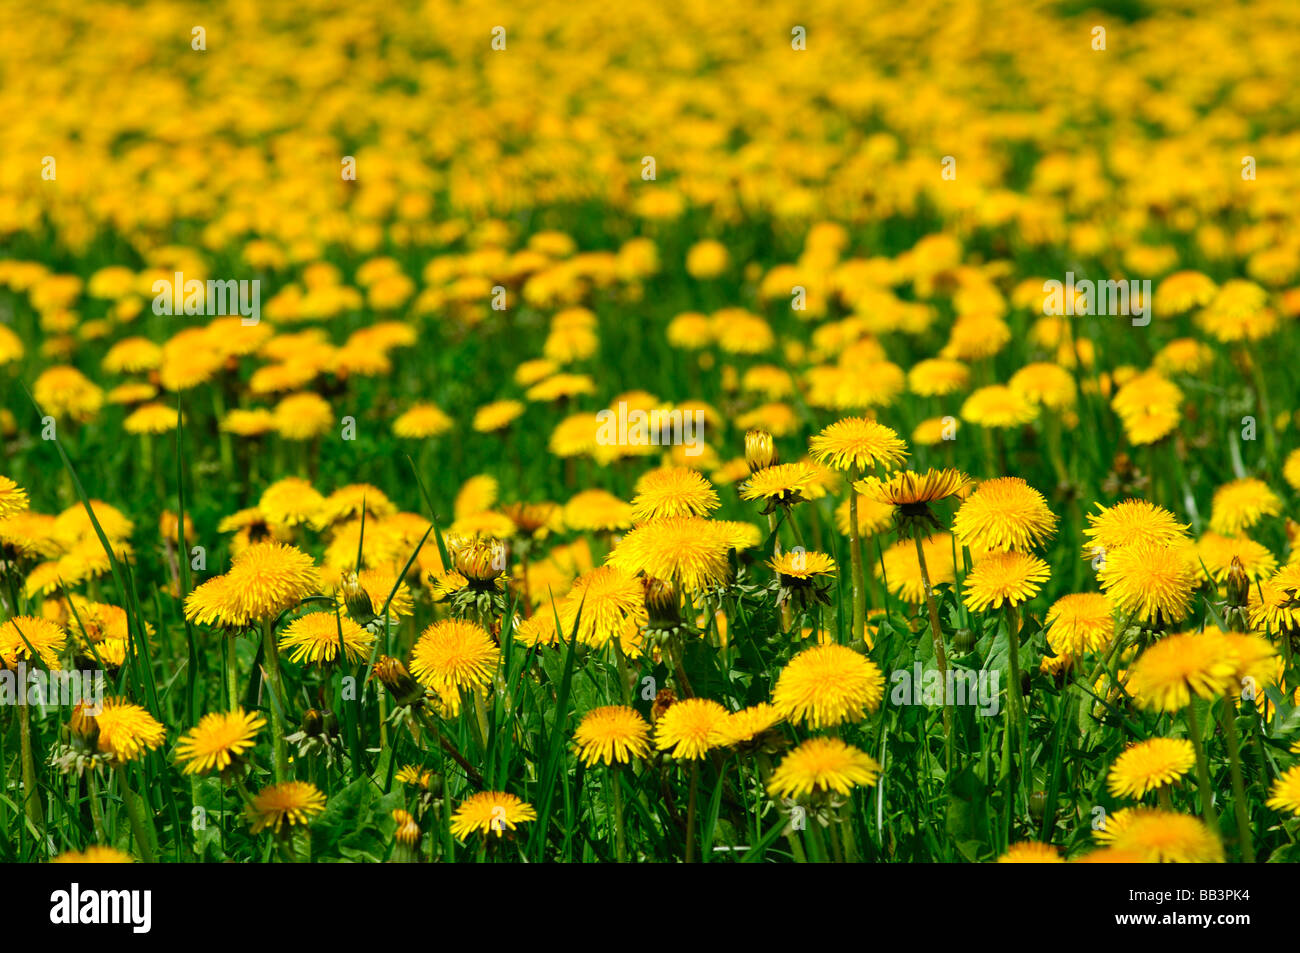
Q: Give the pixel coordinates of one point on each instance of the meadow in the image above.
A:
(587, 432)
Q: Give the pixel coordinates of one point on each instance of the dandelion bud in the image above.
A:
(1238, 583)
(357, 600)
(316, 722)
(480, 560)
(760, 450)
(394, 676)
(83, 725)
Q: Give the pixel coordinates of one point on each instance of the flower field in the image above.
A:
(533, 432)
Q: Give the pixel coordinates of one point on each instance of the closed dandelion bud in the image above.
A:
(661, 603)
(760, 450)
(317, 722)
(1037, 804)
(394, 676)
(480, 560)
(83, 726)
(1238, 583)
(964, 640)
(357, 600)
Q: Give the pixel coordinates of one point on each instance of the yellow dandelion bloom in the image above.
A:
(1150, 764)
(1032, 852)
(1170, 672)
(285, 805)
(1004, 513)
(1000, 579)
(610, 734)
(856, 443)
(820, 765)
(827, 685)
(490, 811)
(127, 731)
(317, 636)
(1161, 837)
(218, 740)
(690, 728)
(453, 655)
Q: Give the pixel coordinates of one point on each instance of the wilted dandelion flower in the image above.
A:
(126, 730)
(821, 765)
(612, 733)
(454, 655)
(999, 579)
(827, 685)
(316, 637)
(1161, 837)
(857, 443)
(284, 805)
(690, 728)
(1151, 581)
(1003, 513)
(1080, 622)
(1239, 505)
(218, 740)
(1149, 765)
(1172, 670)
(1284, 795)
(1032, 852)
(673, 491)
(490, 811)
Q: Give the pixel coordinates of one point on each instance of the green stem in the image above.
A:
(690, 812)
(941, 657)
(1238, 785)
(272, 653)
(855, 554)
(138, 829)
(620, 834)
(31, 791)
(1202, 770)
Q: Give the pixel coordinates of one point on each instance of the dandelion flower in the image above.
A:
(1080, 622)
(827, 685)
(94, 854)
(452, 655)
(781, 483)
(690, 728)
(126, 730)
(1285, 793)
(1129, 522)
(613, 733)
(1149, 765)
(21, 635)
(316, 637)
(1161, 836)
(490, 811)
(1239, 505)
(673, 491)
(1171, 671)
(1003, 513)
(856, 443)
(821, 765)
(13, 499)
(1000, 579)
(218, 740)
(1152, 581)
(1031, 852)
(284, 805)
(751, 723)
(686, 550)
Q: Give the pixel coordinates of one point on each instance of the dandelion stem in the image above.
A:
(277, 702)
(31, 799)
(690, 812)
(855, 554)
(1238, 785)
(1202, 769)
(941, 658)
